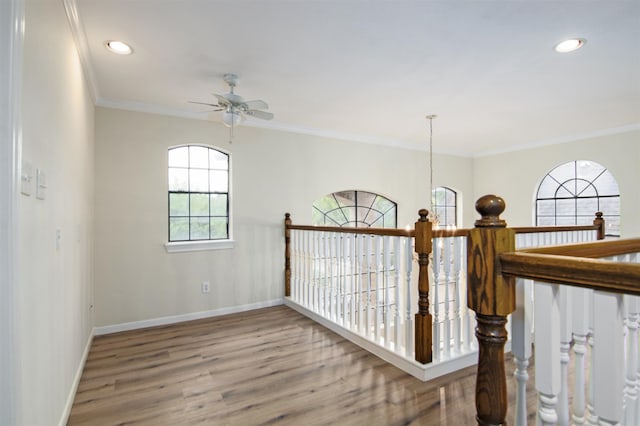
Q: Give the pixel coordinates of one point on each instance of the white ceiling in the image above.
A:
(370, 70)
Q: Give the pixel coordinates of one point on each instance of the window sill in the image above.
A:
(187, 246)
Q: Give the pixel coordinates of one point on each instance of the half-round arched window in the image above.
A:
(359, 209)
(444, 204)
(573, 192)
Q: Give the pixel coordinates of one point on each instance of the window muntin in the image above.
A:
(573, 192)
(358, 209)
(198, 193)
(444, 203)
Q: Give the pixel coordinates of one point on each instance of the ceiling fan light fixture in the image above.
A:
(118, 47)
(570, 45)
(232, 118)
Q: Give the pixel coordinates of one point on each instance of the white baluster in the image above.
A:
(305, 274)
(362, 274)
(397, 249)
(315, 271)
(359, 275)
(334, 277)
(387, 290)
(408, 256)
(437, 245)
(458, 257)
(368, 251)
(352, 269)
(608, 355)
(581, 311)
(631, 380)
(344, 251)
(378, 304)
(547, 351)
(327, 275)
(521, 350)
(447, 314)
(564, 295)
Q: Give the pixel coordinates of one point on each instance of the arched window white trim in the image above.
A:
(353, 208)
(198, 198)
(573, 192)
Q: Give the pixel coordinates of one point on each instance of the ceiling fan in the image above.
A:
(234, 108)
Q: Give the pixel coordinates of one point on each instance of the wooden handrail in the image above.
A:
(593, 250)
(596, 274)
(393, 232)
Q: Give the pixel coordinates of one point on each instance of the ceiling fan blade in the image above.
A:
(208, 104)
(259, 114)
(222, 100)
(256, 104)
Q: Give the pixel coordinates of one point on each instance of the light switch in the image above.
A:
(41, 184)
(26, 176)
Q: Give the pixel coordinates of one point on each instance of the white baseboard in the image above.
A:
(108, 329)
(422, 372)
(76, 381)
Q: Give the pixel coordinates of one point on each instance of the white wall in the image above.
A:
(52, 315)
(515, 176)
(11, 15)
(273, 172)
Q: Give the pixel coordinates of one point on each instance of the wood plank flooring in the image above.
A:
(268, 366)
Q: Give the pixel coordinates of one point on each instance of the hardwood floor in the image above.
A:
(269, 366)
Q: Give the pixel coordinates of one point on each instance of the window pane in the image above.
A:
(218, 160)
(589, 170)
(607, 185)
(218, 205)
(338, 216)
(199, 180)
(546, 207)
(178, 229)
(366, 215)
(199, 228)
(366, 199)
(178, 179)
(565, 191)
(178, 204)
(383, 204)
(565, 208)
(610, 206)
(587, 207)
(346, 198)
(564, 172)
(546, 221)
(179, 157)
(588, 191)
(451, 216)
(547, 188)
(390, 218)
(219, 228)
(199, 205)
(612, 225)
(451, 198)
(565, 220)
(219, 181)
(198, 157)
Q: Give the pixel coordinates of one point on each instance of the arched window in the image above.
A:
(358, 209)
(573, 192)
(444, 204)
(198, 193)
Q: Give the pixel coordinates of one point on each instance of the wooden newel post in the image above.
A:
(287, 255)
(492, 297)
(599, 222)
(424, 321)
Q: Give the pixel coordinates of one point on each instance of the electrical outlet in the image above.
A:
(206, 287)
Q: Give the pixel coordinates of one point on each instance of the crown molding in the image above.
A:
(82, 46)
(561, 140)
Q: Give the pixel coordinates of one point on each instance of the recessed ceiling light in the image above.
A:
(118, 47)
(570, 45)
